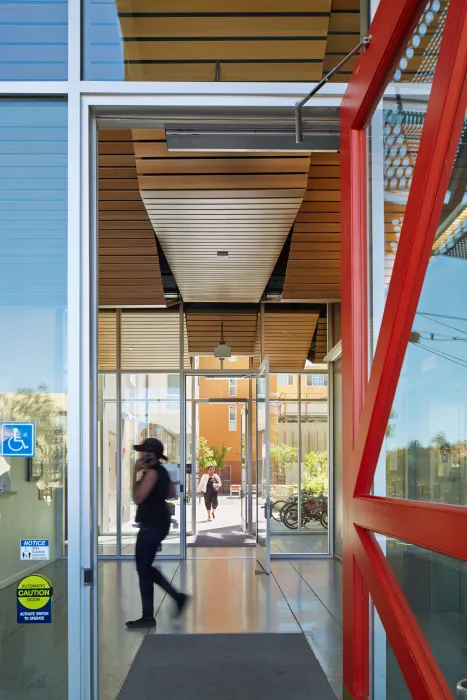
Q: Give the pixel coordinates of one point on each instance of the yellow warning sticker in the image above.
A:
(34, 595)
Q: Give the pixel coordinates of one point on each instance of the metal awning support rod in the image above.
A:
(298, 107)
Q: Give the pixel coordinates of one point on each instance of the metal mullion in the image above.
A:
(182, 414)
(194, 442)
(299, 453)
(119, 433)
(91, 148)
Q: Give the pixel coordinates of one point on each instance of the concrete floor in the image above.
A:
(228, 596)
(313, 539)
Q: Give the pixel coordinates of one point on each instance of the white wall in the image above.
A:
(23, 516)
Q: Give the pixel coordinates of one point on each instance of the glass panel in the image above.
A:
(388, 681)
(300, 436)
(424, 453)
(148, 411)
(107, 464)
(33, 387)
(130, 40)
(34, 40)
(435, 587)
(394, 140)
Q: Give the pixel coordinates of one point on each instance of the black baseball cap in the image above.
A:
(152, 445)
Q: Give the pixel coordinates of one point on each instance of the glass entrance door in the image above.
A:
(262, 496)
(244, 487)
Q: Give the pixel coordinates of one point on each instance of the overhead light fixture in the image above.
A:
(223, 351)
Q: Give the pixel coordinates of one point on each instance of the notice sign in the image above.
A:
(34, 550)
(34, 600)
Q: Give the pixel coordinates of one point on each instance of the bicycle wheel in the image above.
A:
(290, 518)
(276, 510)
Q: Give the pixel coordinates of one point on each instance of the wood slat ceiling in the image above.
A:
(107, 340)
(204, 332)
(253, 40)
(313, 268)
(151, 341)
(204, 203)
(129, 271)
(287, 338)
(321, 340)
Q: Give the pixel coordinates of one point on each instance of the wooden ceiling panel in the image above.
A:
(203, 206)
(313, 269)
(127, 244)
(151, 340)
(321, 340)
(204, 332)
(107, 340)
(287, 338)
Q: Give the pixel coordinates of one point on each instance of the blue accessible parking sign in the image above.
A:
(18, 439)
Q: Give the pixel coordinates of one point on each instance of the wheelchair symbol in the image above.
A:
(16, 442)
(18, 439)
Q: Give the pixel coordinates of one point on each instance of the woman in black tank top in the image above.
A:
(151, 487)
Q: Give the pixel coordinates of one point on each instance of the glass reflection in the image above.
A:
(34, 40)
(138, 41)
(425, 445)
(435, 587)
(33, 383)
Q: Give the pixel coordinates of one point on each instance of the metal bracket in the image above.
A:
(301, 103)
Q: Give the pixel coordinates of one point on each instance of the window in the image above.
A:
(317, 380)
(232, 418)
(285, 379)
(232, 358)
(232, 387)
(173, 385)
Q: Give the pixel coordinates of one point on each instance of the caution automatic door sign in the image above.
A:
(34, 600)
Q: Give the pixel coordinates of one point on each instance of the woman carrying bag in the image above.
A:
(209, 486)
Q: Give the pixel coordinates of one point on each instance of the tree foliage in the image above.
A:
(37, 405)
(219, 455)
(204, 454)
(316, 473)
(281, 456)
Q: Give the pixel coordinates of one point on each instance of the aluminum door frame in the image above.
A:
(194, 440)
(263, 553)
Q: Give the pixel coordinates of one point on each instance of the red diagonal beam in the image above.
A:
(438, 145)
(393, 23)
(418, 665)
(440, 528)
(391, 30)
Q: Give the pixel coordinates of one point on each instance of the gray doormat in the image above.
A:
(226, 667)
(223, 537)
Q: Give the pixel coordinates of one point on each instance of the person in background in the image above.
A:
(151, 487)
(209, 486)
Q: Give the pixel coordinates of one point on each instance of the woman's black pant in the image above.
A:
(211, 500)
(147, 544)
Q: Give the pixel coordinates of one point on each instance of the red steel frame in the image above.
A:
(367, 401)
